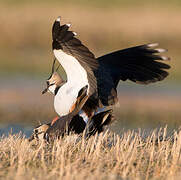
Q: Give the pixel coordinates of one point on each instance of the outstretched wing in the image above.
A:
(140, 64)
(65, 40)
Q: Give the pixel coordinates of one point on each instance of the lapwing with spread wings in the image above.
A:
(140, 64)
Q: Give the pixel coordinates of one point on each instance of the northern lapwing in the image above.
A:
(140, 64)
(77, 125)
(73, 122)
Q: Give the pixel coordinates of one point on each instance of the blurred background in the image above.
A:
(102, 25)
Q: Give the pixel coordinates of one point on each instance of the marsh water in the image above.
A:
(147, 107)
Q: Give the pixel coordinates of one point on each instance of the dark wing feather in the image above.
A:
(65, 40)
(140, 64)
(106, 87)
(98, 123)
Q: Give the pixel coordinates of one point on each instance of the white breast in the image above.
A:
(75, 72)
(76, 80)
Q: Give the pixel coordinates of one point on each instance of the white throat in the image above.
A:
(76, 80)
(51, 89)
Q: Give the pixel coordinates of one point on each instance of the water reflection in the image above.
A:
(26, 131)
(16, 129)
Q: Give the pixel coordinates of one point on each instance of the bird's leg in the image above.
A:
(54, 120)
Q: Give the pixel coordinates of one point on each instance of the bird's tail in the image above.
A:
(98, 122)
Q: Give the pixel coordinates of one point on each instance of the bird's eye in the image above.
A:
(47, 83)
(36, 131)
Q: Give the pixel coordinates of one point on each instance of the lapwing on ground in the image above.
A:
(77, 126)
(73, 122)
(140, 64)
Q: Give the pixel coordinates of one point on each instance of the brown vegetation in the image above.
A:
(107, 156)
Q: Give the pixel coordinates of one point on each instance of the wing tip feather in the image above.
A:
(58, 19)
(151, 45)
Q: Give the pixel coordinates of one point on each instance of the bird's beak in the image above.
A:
(46, 89)
(31, 138)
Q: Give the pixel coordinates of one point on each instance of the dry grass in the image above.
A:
(108, 156)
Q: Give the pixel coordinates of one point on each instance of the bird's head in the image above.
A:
(54, 81)
(39, 132)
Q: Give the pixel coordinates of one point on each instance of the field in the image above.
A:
(108, 156)
(136, 146)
